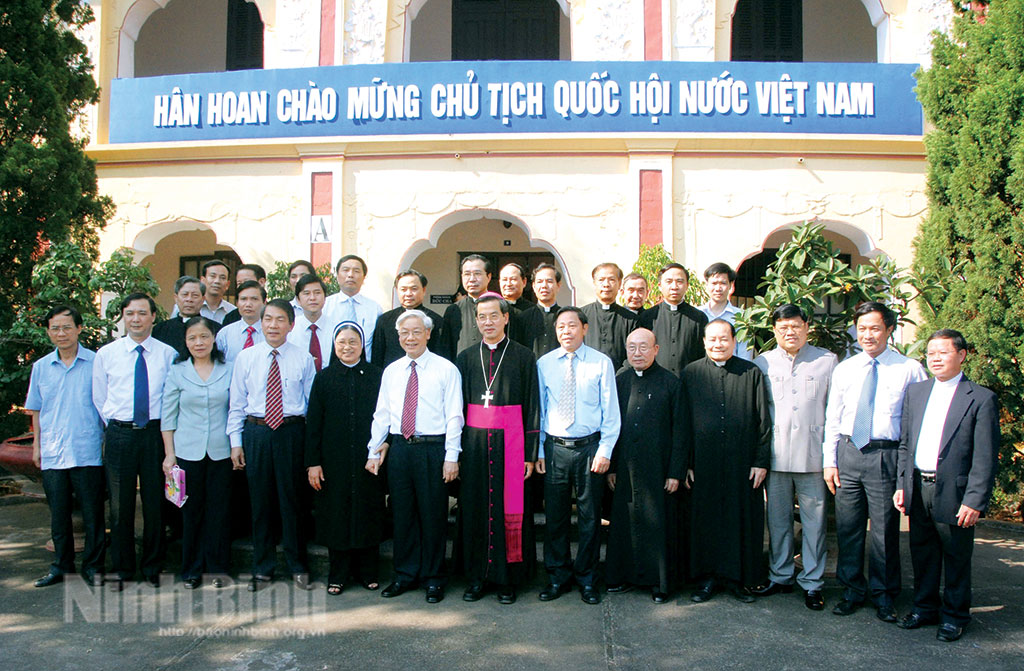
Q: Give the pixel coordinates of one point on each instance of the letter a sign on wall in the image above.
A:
(320, 228)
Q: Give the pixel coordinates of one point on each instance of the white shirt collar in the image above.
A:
(951, 382)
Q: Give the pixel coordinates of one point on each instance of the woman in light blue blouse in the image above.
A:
(194, 426)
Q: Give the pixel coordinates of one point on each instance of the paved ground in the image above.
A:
(77, 627)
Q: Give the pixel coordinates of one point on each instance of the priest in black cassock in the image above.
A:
(525, 320)
(458, 328)
(608, 322)
(410, 285)
(731, 452)
(499, 446)
(547, 282)
(647, 465)
(677, 325)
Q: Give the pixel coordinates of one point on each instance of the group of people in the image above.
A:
(655, 419)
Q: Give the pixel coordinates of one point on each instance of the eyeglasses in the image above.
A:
(642, 349)
(415, 333)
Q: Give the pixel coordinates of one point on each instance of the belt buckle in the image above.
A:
(569, 442)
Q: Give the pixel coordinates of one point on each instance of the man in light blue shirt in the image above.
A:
(66, 444)
(720, 280)
(579, 424)
(348, 305)
(247, 331)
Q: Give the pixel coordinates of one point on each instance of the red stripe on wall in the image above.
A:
(650, 208)
(327, 9)
(322, 200)
(652, 30)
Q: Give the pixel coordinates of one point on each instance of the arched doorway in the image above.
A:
(496, 235)
(183, 253)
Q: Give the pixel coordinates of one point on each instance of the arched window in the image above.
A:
(813, 30)
(768, 30)
(506, 30)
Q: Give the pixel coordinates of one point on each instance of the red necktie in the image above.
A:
(275, 406)
(248, 337)
(314, 346)
(412, 392)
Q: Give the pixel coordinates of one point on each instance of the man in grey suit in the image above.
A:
(949, 447)
(798, 376)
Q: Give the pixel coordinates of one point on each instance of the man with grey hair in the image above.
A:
(419, 421)
(188, 301)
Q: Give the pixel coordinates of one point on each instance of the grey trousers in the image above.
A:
(810, 493)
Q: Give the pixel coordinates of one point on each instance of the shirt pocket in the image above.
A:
(777, 383)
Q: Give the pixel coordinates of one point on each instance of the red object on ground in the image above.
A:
(16, 456)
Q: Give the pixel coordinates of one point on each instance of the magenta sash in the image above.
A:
(509, 419)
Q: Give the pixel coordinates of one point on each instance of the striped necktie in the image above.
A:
(275, 404)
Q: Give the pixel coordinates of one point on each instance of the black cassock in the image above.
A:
(459, 329)
(546, 340)
(386, 348)
(525, 322)
(497, 540)
(731, 433)
(679, 334)
(607, 330)
(643, 541)
(350, 505)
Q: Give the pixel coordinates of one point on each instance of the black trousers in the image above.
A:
(868, 481)
(61, 486)
(935, 546)
(274, 466)
(568, 469)
(360, 563)
(206, 532)
(419, 500)
(130, 456)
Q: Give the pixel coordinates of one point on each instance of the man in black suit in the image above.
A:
(948, 453)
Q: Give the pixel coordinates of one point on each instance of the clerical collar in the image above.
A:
(639, 373)
(673, 308)
(509, 301)
(494, 346)
(951, 382)
(606, 306)
(545, 307)
(719, 363)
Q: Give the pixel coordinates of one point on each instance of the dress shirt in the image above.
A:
(197, 411)
(70, 429)
(929, 441)
(249, 384)
(113, 377)
(438, 406)
(729, 315)
(219, 314)
(360, 309)
(300, 333)
(895, 372)
(798, 387)
(597, 401)
(231, 338)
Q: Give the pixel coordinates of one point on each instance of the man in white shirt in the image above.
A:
(948, 458)
(247, 331)
(270, 387)
(296, 271)
(216, 279)
(418, 424)
(314, 325)
(127, 389)
(862, 432)
(350, 305)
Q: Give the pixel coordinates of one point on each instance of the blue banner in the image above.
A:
(518, 97)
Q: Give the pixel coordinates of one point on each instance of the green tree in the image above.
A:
(653, 259)
(48, 188)
(974, 232)
(277, 281)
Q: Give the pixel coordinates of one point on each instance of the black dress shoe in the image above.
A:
(704, 592)
(192, 583)
(620, 589)
(153, 580)
(435, 594)
(886, 613)
(742, 594)
(659, 597)
(949, 632)
(916, 621)
(474, 592)
(553, 591)
(772, 588)
(507, 595)
(258, 582)
(847, 607)
(218, 582)
(590, 594)
(302, 581)
(813, 600)
(396, 589)
(51, 578)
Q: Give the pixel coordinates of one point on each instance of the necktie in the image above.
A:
(349, 311)
(140, 416)
(314, 346)
(248, 337)
(567, 397)
(412, 392)
(275, 405)
(865, 408)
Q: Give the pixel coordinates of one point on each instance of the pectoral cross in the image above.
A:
(487, 398)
